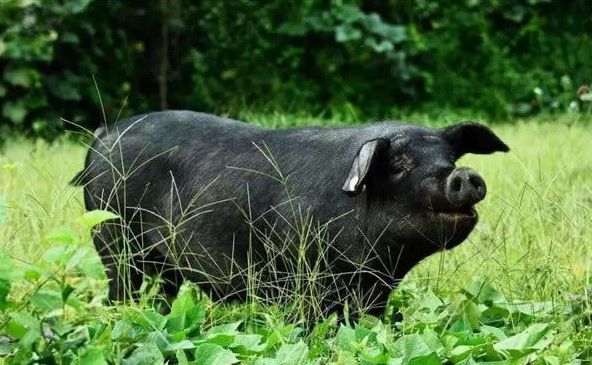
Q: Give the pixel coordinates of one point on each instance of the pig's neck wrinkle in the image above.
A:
(384, 231)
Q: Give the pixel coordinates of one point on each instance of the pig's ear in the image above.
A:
(361, 166)
(472, 137)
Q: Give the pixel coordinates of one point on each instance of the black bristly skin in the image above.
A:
(385, 181)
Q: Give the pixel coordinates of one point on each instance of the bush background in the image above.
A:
(341, 59)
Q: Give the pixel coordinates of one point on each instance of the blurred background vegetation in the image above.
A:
(364, 59)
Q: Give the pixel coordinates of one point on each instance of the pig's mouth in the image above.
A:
(463, 215)
(453, 226)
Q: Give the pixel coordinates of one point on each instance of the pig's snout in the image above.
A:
(464, 187)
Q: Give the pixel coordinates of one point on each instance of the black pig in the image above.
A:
(201, 197)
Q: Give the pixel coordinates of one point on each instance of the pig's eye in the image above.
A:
(399, 169)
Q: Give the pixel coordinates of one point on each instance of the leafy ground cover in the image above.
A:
(516, 292)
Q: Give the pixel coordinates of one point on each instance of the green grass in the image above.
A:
(533, 244)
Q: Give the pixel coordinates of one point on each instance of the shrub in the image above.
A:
(363, 59)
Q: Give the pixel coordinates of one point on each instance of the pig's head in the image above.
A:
(414, 187)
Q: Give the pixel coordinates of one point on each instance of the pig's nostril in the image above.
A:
(475, 182)
(456, 184)
(464, 187)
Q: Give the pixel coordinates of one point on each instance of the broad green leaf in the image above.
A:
(373, 355)
(47, 300)
(93, 356)
(491, 353)
(285, 333)
(186, 316)
(532, 339)
(125, 330)
(94, 217)
(431, 359)
(551, 360)
(224, 329)
(146, 354)
(346, 358)
(247, 343)
(190, 322)
(535, 309)
(223, 335)
(183, 302)
(473, 339)
(29, 339)
(369, 322)
(212, 354)
(79, 255)
(292, 333)
(24, 327)
(460, 353)
(151, 320)
(66, 292)
(60, 235)
(485, 293)
(449, 340)
(181, 357)
(429, 300)
(411, 346)
(529, 338)
(363, 333)
(58, 253)
(495, 315)
(183, 345)
(346, 339)
(494, 331)
(92, 266)
(162, 340)
(472, 312)
(77, 335)
(33, 273)
(432, 340)
(292, 354)
(461, 325)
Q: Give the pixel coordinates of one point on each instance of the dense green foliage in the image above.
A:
(56, 317)
(350, 59)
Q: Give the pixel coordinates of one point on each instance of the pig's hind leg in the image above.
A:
(118, 252)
